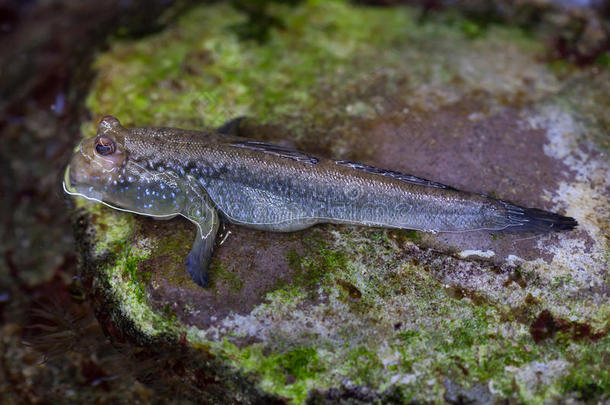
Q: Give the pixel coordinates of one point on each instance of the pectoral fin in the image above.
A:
(202, 212)
(198, 260)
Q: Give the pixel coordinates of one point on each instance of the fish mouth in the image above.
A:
(68, 182)
(72, 187)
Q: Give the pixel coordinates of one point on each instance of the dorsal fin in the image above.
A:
(407, 178)
(276, 150)
(231, 127)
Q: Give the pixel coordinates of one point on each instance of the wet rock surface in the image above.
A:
(346, 314)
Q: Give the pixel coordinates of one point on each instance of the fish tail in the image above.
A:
(535, 220)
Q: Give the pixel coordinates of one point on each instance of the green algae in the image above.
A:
(137, 278)
(193, 74)
(290, 374)
(120, 277)
(590, 376)
(310, 270)
(467, 343)
(127, 285)
(174, 244)
(364, 365)
(219, 274)
(603, 60)
(302, 362)
(112, 226)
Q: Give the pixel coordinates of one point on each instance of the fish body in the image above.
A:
(208, 177)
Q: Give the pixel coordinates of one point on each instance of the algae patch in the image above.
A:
(121, 279)
(219, 274)
(422, 328)
(127, 285)
(331, 61)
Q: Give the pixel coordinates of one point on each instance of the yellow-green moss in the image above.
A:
(466, 342)
(321, 262)
(198, 74)
(219, 274)
(590, 376)
(291, 373)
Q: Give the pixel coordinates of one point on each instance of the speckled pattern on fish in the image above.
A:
(208, 177)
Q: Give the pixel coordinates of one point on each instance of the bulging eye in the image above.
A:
(105, 146)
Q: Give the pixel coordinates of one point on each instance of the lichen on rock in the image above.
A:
(407, 315)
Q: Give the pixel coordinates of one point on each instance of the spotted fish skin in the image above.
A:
(163, 172)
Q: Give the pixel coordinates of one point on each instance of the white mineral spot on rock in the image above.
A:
(476, 116)
(513, 260)
(467, 253)
(403, 379)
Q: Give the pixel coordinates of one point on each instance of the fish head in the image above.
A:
(98, 162)
(103, 170)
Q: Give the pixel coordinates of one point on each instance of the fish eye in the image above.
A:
(105, 146)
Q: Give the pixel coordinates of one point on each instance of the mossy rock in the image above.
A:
(346, 313)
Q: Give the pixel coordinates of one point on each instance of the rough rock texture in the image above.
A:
(354, 314)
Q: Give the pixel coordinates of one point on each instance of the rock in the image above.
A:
(333, 312)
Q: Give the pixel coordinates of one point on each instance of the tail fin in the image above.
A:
(535, 220)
